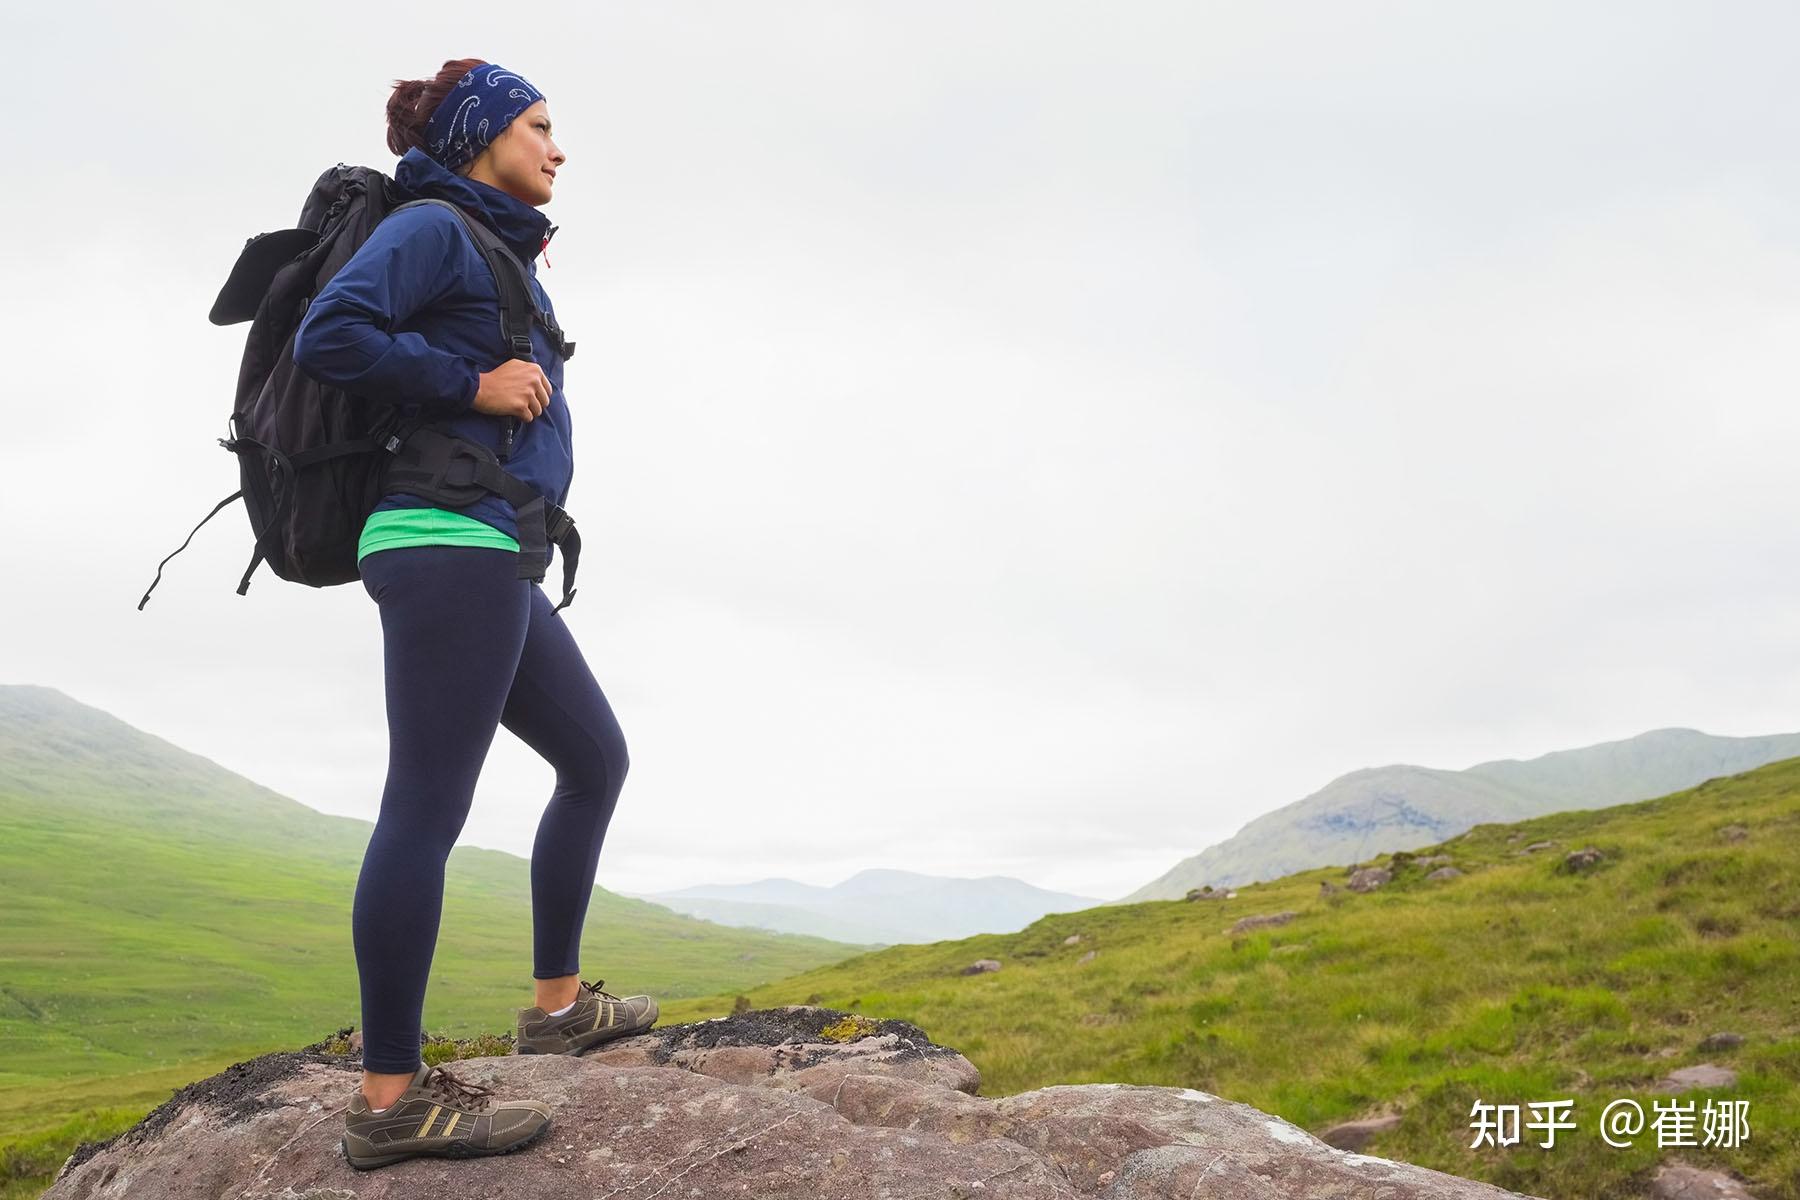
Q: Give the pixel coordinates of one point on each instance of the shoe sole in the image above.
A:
(606, 1035)
(453, 1150)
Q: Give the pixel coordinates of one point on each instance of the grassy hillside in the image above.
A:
(162, 918)
(1514, 983)
(1402, 807)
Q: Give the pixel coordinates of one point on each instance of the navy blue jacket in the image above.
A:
(414, 317)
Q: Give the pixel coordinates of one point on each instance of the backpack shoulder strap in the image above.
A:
(517, 307)
(515, 302)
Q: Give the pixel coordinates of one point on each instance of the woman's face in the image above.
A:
(523, 160)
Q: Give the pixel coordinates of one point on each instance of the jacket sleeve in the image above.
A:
(410, 260)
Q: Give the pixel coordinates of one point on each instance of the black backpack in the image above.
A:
(315, 460)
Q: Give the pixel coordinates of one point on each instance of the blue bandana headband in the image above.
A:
(477, 110)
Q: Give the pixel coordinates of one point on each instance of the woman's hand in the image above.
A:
(517, 387)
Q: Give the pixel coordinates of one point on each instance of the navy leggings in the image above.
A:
(468, 647)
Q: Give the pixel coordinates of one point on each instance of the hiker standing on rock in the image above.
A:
(468, 643)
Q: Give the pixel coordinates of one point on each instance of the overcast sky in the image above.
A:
(1023, 438)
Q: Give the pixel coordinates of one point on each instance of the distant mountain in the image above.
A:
(1402, 807)
(879, 906)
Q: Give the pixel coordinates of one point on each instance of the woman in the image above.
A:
(412, 318)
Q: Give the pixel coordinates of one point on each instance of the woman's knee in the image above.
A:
(603, 772)
(596, 774)
(426, 825)
(618, 760)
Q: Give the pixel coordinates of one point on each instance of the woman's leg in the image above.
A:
(453, 622)
(557, 708)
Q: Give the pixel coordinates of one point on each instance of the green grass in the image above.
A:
(151, 939)
(1518, 982)
(139, 952)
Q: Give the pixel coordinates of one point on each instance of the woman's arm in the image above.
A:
(410, 260)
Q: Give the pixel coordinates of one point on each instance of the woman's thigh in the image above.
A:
(453, 621)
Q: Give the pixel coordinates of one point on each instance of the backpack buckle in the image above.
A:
(521, 346)
(557, 523)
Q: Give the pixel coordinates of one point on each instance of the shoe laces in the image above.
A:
(459, 1092)
(595, 987)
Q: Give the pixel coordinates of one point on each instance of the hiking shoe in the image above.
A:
(597, 1017)
(441, 1115)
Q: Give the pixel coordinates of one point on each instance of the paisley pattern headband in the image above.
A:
(477, 110)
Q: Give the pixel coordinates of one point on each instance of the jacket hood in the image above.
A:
(521, 226)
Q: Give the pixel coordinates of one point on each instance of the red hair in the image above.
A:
(409, 109)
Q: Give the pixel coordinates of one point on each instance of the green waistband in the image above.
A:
(395, 527)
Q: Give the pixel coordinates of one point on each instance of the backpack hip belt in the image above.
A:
(457, 472)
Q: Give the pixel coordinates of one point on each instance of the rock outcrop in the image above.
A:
(1678, 1181)
(1582, 860)
(1265, 921)
(776, 1103)
(1700, 1075)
